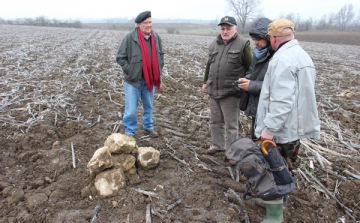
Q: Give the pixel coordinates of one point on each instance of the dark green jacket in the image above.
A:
(130, 59)
(227, 63)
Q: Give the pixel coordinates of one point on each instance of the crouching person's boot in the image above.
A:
(274, 211)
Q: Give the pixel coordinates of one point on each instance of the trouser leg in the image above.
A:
(290, 151)
(147, 101)
(217, 124)
(231, 111)
(253, 126)
(129, 120)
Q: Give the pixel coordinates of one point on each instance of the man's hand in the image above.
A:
(264, 135)
(204, 88)
(244, 84)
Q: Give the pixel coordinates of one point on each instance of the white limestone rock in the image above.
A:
(148, 157)
(124, 161)
(109, 183)
(100, 161)
(120, 143)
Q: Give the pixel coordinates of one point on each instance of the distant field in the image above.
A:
(347, 38)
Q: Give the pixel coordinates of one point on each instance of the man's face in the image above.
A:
(227, 32)
(145, 26)
(260, 43)
(274, 43)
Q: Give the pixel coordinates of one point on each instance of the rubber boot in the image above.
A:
(274, 211)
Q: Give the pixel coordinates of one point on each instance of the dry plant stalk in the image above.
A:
(148, 214)
(148, 193)
(331, 195)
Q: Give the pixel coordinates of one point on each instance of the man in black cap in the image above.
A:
(142, 58)
(230, 56)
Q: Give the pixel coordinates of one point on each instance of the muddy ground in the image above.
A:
(62, 87)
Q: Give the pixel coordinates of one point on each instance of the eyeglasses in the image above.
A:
(256, 39)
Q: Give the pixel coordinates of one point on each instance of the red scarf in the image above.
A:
(150, 68)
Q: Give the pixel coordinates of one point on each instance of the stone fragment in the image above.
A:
(124, 161)
(148, 157)
(120, 143)
(108, 183)
(100, 161)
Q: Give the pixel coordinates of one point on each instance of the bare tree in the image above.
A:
(357, 22)
(297, 21)
(290, 17)
(213, 23)
(322, 24)
(344, 16)
(331, 20)
(244, 10)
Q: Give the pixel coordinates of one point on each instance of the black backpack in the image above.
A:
(265, 169)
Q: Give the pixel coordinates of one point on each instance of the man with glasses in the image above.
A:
(287, 109)
(142, 58)
(253, 80)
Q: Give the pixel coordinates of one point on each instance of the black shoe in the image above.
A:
(212, 150)
(232, 162)
(152, 133)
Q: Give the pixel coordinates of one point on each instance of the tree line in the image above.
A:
(43, 21)
(247, 11)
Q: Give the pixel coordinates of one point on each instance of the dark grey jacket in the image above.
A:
(130, 59)
(258, 67)
(256, 76)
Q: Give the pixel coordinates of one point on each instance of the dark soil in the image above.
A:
(62, 87)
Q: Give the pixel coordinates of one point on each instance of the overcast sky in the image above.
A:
(163, 9)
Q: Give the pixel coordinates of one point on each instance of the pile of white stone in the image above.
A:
(119, 155)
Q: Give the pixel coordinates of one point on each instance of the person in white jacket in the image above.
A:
(287, 109)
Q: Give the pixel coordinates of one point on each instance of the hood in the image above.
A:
(260, 27)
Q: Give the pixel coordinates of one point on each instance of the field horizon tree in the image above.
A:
(244, 10)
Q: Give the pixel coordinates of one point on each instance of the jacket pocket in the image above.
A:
(133, 71)
(233, 56)
(212, 56)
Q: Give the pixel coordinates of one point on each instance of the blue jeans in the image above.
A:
(132, 96)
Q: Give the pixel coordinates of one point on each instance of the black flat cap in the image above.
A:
(142, 16)
(228, 20)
